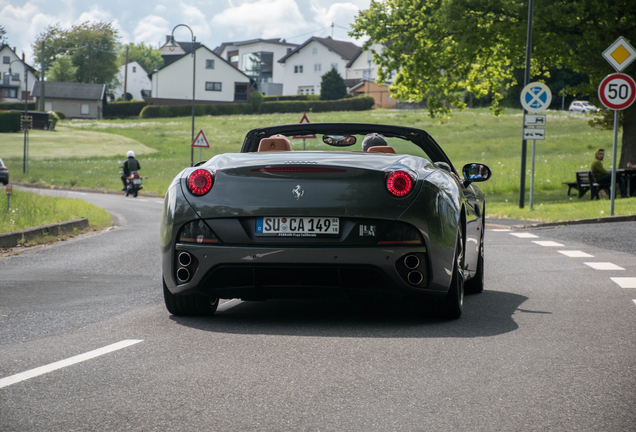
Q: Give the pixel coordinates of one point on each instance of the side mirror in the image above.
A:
(475, 172)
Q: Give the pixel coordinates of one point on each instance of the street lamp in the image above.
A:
(26, 100)
(172, 43)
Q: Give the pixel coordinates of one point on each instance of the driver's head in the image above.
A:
(372, 140)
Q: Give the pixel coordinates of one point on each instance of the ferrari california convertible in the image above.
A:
(289, 219)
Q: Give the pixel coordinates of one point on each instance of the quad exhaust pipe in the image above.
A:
(185, 259)
(183, 275)
(415, 277)
(411, 262)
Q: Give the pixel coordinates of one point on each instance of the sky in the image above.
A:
(212, 21)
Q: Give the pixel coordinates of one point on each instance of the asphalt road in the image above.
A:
(550, 345)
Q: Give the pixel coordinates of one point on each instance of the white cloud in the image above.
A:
(152, 30)
(337, 12)
(262, 18)
(197, 21)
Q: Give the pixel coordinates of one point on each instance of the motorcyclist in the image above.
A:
(129, 165)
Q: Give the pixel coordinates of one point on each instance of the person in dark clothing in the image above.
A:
(130, 165)
(604, 177)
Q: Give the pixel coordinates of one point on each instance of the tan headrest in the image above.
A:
(381, 149)
(274, 143)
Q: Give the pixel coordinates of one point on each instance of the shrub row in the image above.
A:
(160, 111)
(123, 109)
(359, 103)
(291, 98)
(9, 122)
(17, 106)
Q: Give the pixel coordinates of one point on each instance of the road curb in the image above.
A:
(606, 219)
(78, 189)
(12, 239)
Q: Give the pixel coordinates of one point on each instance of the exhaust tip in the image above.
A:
(415, 278)
(411, 262)
(183, 275)
(185, 259)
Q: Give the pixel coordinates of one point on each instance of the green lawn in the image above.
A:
(469, 136)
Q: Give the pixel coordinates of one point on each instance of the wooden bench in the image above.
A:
(570, 185)
(585, 181)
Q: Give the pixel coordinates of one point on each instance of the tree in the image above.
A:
(91, 46)
(442, 48)
(62, 70)
(2, 33)
(147, 57)
(332, 86)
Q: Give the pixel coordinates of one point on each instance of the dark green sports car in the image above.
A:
(280, 221)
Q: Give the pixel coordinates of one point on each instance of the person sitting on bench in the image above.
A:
(604, 177)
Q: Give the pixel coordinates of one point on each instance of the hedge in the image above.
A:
(17, 106)
(161, 111)
(359, 103)
(10, 121)
(291, 98)
(123, 109)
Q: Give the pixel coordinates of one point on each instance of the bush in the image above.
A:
(10, 121)
(17, 106)
(53, 119)
(60, 115)
(256, 99)
(332, 86)
(163, 111)
(359, 103)
(123, 109)
(290, 98)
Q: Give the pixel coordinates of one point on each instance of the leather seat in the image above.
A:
(274, 143)
(381, 149)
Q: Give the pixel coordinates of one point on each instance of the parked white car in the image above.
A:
(583, 107)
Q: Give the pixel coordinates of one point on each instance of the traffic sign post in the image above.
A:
(201, 142)
(535, 98)
(304, 119)
(617, 92)
(9, 187)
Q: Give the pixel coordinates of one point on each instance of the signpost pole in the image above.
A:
(526, 80)
(532, 172)
(614, 151)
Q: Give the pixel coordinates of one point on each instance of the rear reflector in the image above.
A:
(197, 232)
(300, 169)
(401, 233)
(200, 182)
(399, 183)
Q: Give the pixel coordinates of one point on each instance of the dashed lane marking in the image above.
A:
(159, 202)
(634, 301)
(548, 243)
(227, 305)
(524, 235)
(576, 254)
(23, 376)
(627, 282)
(500, 230)
(603, 266)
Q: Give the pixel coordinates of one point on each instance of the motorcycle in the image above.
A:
(133, 183)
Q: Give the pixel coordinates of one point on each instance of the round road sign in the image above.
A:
(536, 97)
(617, 91)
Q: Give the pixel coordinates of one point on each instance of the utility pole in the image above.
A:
(42, 80)
(126, 77)
(90, 64)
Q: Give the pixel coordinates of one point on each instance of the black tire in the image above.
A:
(189, 305)
(476, 284)
(135, 193)
(453, 302)
(127, 191)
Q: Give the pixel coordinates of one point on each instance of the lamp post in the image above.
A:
(26, 100)
(194, 62)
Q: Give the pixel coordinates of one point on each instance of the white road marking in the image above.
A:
(500, 230)
(576, 254)
(141, 200)
(603, 266)
(228, 305)
(159, 202)
(524, 235)
(23, 376)
(548, 243)
(78, 193)
(628, 282)
(634, 301)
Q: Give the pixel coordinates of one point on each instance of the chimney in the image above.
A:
(168, 38)
(23, 57)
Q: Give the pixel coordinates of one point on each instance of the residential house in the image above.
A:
(12, 85)
(216, 79)
(361, 77)
(307, 63)
(135, 80)
(380, 93)
(76, 100)
(257, 58)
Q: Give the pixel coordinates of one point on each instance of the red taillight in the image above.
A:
(200, 182)
(4, 169)
(399, 183)
(134, 175)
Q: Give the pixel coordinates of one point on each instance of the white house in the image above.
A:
(135, 80)
(361, 65)
(216, 80)
(12, 85)
(257, 58)
(306, 64)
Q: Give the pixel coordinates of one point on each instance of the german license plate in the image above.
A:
(297, 226)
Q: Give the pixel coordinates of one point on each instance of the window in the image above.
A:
(317, 67)
(11, 93)
(334, 66)
(314, 51)
(134, 70)
(6, 60)
(259, 66)
(306, 90)
(298, 69)
(6, 79)
(16, 77)
(85, 109)
(48, 106)
(367, 74)
(213, 86)
(209, 64)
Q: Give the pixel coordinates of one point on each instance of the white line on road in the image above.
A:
(634, 301)
(500, 230)
(227, 305)
(603, 266)
(625, 282)
(159, 202)
(576, 254)
(524, 235)
(548, 243)
(13, 379)
(78, 193)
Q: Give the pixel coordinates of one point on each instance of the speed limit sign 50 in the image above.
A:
(617, 91)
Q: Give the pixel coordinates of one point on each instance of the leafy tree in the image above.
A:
(62, 70)
(91, 46)
(147, 57)
(332, 86)
(442, 48)
(2, 33)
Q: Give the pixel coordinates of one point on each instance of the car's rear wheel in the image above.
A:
(476, 284)
(188, 305)
(453, 302)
